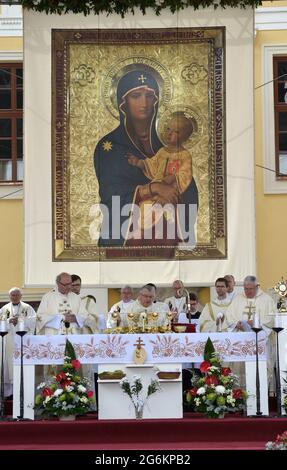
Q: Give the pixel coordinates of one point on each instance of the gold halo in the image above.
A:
(122, 67)
(189, 112)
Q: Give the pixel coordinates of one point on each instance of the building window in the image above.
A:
(11, 122)
(280, 115)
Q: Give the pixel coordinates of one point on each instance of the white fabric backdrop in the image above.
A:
(39, 268)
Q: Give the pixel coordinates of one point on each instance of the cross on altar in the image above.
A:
(139, 343)
(142, 78)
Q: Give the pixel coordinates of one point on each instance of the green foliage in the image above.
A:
(123, 7)
(208, 350)
(69, 350)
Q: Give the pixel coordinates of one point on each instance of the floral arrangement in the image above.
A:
(133, 388)
(128, 6)
(280, 442)
(215, 392)
(67, 393)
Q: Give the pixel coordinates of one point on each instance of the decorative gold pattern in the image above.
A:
(194, 73)
(107, 146)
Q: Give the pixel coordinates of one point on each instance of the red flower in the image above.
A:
(204, 366)
(237, 394)
(211, 380)
(225, 371)
(47, 392)
(76, 364)
(61, 376)
(65, 383)
(90, 393)
(192, 391)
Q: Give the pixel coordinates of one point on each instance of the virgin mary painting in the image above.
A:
(123, 187)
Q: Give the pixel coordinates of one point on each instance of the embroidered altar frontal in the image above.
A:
(166, 348)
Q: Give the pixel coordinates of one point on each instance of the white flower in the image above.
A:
(81, 388)
(219, 389)
(136, 378)
(84, 399)
(58, 392)
(70, 389)
(230, 400)
(201, 391)
(41, 385)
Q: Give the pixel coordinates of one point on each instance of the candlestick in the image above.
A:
(277, 330)
(258, 399)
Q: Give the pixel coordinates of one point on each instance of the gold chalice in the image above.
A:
(169, 316)
(116, 321)
(130, 322)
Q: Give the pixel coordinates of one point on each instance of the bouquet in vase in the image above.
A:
(216, 392)
(134, 389)
(67, 393)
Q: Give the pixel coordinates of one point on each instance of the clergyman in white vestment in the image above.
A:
(11, 312)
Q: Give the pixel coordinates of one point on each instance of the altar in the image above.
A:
(115, 351)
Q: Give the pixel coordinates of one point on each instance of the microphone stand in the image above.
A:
(21, 415)
(2, 398)
(258, 404)
(277, 376)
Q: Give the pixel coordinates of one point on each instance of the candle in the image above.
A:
(3, 326)
(219, 317)
(277, 321)
(21, 324)
(256, 321)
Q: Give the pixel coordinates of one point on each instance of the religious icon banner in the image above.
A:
(138, 154)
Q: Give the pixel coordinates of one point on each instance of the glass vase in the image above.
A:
(139, 411)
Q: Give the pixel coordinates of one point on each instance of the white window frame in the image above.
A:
(11, 190)
(271, 184)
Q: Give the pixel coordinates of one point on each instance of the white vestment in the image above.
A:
(176, 303)
(244, 309)
(207, 319)
(123, 308)
(50, 314)
(29, 315)
(156, 307)
(94, 323)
